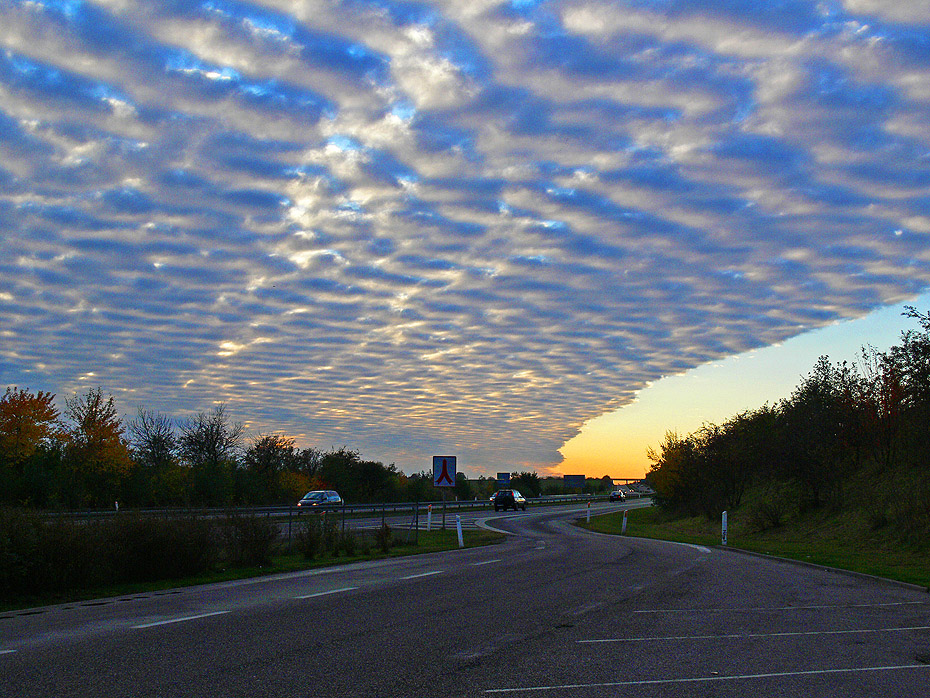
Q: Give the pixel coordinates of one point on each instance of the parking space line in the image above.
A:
(707, 679)
(178, 620)
(326, 593)
(745, 636)
(756, 609)
(422, 574)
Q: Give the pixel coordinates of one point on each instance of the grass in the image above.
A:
(838, 541)
(283, 562)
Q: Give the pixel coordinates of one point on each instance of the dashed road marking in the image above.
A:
(327, 593)
(422, 574)
(485, 562)
(178, 620)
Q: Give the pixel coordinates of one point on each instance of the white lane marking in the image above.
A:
(7, 651)
(423, 574)
(178, 620)
(708, 679)
(485, 562)
(751, 609)
(326, 593)
(751, 635)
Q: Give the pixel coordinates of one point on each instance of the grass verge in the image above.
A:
(281, 562)
(831, 541)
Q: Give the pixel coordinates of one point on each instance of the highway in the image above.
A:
(552, 611)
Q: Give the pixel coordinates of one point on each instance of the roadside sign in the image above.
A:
(503, 478)
(444, 471)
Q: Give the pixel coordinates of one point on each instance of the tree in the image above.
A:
(96, 454)
(29, 431)
(210, 446)
(912, 362)
(675, 474)
(27, 422)
(814, 424)
(880, 406)
(266, 459)
(156, 477)
(463, 490)
(527, 483)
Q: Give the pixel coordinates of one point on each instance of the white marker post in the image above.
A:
(589, 512)
(458, 527)
(429, 517)
(723, 532)
(623, 525)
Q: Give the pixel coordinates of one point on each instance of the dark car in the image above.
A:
(320, 498)
(507, 499)
(617, 496)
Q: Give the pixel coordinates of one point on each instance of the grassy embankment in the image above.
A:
(839, 540)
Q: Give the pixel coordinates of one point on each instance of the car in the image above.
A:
(505, 499)
(617, 496)
(320, 498)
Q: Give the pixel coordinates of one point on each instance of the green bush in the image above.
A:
(309, 537)
(40, 555)
(349, 542)
(383, 537)
(248, 540)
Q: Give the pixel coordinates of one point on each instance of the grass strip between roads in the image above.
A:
(428, 542)
(822, 541)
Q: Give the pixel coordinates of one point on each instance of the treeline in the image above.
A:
(848, 436)
(90, 457)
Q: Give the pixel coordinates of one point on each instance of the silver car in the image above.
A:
(320, 498)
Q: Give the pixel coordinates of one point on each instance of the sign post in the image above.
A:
(444, 476)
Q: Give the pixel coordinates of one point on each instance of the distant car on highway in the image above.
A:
(505, 499)
(320, 498)
(617, 496)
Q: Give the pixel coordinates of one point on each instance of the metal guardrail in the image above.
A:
(344, 509)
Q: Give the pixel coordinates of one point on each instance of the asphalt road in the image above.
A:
(553, 611)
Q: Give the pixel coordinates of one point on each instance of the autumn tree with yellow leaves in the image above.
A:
(96, 458)
(29, 431)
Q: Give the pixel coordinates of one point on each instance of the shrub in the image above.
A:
(309, 537)
(769, 511)
(349, 542)
(331, 535)
(248, 540)
(20, 542)
(383, 537)
(41, 556)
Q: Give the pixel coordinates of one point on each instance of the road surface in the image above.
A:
(552, 611)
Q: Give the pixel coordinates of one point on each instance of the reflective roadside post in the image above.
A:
(458, 528)
(723, 529)
(623, 525)
(589, 512)
(429, 518)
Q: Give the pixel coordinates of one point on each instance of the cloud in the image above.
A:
(458, 227)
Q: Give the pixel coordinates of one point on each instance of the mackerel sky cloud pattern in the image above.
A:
(451, 227)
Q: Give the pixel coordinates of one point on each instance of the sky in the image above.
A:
(468, 228)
